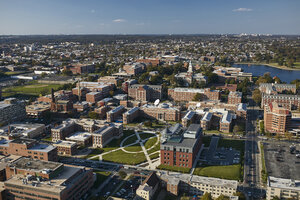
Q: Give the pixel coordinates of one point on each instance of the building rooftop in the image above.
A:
(132, 110)
(189, 115)
(284, 183)
(35, 165)
(207, 116)
(65, 143)
(226, 118)
(116, 109)
(79, 136)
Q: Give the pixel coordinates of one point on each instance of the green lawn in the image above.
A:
(125, 158)
(33, 89)
(101, 177)
(264, 173)
(130, 140)
(144, 136)
(236, 144)
(150, 143)
(174, 168)
(135, 148)
(231, 172)
(153, 156)
(206, 140)
(94, 152)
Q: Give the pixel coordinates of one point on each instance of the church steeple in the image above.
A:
(190, 69)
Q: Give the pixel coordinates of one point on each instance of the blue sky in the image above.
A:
(149, 16)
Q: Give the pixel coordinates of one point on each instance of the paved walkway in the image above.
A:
(138, 141)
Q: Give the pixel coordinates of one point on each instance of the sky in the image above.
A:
(25, 17)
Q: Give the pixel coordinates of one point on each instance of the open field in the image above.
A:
(100, 177)
(30, 90)
(174, 168)
(231, 172)
(125, 158)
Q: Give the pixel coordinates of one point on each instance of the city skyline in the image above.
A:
(155, 17)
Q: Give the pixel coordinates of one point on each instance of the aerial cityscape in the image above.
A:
(156, 100)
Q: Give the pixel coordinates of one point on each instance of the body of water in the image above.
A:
(259, 70)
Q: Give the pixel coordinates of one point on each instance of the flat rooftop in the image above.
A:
(35, 165)
(284, 183)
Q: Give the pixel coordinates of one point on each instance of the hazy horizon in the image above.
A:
(135, 17)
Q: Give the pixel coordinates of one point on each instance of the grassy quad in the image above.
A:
(30, 90)
(100, 178)
(231, 172)
(125, 158)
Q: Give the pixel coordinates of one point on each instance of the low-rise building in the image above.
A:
(149, 187)
(291, 102)
(93, 97)
(235, 97)
(205, 121)
(189, 118)
(134, 68)
(131, 115)
(37, 109)
(28, 130)
(64, 147)
(275, 88)
(176, 183)
(115, 114)
(226, 122)
(282, 188)
(105, 134)
(276, 118)
(81, 138)
(28, 147)
(163, 112)
(79, 68)
(145, 92)
(11, 110)
(178, 147)
(188, 94)
(35, 179)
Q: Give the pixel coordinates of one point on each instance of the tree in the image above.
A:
(222, 197)
(240, 195)
(256, 95)
(276, 198)
(93, 115)
(111, 93)
(122, 174)
(206, 196)
(197, 97)
(148, 123)
(67, 73)
(237, 128)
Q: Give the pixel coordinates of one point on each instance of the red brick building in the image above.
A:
(291, 102)
(178, 147)
(145, 92)
(35, 179)
(276, 118)
(235, 97)
(80, 68)
(134, 69)
(29, 148)
(188, 94)
(149, 61)
(64, 147)
(94, 97)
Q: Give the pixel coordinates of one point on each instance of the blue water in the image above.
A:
(259, 70)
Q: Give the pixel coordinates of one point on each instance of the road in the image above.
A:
(251, 185)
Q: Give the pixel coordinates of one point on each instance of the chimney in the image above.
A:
(52, 95)
(79, 92)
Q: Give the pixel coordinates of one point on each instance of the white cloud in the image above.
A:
(119, 20)
(242, 10)
(93, 11)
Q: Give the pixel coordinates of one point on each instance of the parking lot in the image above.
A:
(280, 162)
(219, 156)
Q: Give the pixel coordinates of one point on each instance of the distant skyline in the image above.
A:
(26, 17)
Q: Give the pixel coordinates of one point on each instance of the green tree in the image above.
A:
(93, 115)
(256, 95)
(276, 198)
(122, 174)
(206, 196)
(197, 97)
(223, 197)
(67, 73)
(240, 195)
